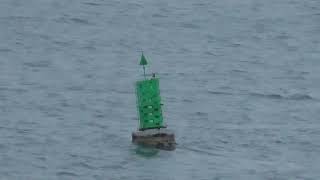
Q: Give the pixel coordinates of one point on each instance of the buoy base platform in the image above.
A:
(158, 138)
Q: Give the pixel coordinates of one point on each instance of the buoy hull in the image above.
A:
(158, 138)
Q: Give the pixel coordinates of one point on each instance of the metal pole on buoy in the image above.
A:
(151, 131)
(143, 62)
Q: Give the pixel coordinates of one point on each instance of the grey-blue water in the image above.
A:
(239, 82)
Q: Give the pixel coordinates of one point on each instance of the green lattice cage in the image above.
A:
(149, 104)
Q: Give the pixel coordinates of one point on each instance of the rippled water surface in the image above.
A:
(239, 80)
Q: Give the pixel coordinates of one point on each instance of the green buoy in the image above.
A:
(148, 101)
(151, 127)
(149, 104)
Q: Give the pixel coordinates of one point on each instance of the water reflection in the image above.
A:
(146, 152)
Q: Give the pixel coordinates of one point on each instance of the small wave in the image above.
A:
(64, 173)
(200, 4)
(281, 97)
(66, 19)
(283, 36)
(200, 151)
(37, 64)
(5, 50)
(97, 125)
(23, 131)
(189, 25)
(16, 90)
(75, 88)
(278, 141)
(300, 97)
(88, 47)
(159, 15)
(91, 4)
(62, 43)
(269, 96)
(80, 21)
(235, 44)
(84, 165)
(201, 114)
(220, 93)
(100, 116)
(209, 53)
(20, 18)
(61, 20)
(187, 100)
(238, 71)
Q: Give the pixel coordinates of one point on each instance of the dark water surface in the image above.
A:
(239, 80)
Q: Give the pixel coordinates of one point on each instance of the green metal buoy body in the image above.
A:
(152, 132)
(148, 101)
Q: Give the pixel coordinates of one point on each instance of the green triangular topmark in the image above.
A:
(143, 60)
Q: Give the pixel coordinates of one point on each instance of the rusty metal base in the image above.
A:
(157, 138)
